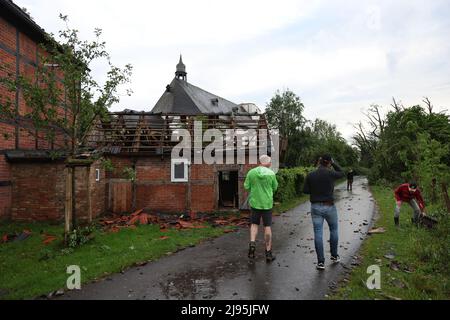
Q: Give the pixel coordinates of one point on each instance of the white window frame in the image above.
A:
(172, 170)
(97, 174)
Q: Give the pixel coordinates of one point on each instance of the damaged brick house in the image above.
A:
(32, 179)
(142, 142)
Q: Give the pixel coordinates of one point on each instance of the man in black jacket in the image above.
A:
(319, 184)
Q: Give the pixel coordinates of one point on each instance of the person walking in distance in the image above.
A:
(350, 175)
(409, 193)
(319, 184)
(262, 183)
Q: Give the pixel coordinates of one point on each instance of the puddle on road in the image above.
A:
(200, 283)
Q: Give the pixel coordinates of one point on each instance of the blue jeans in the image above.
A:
(320, 212)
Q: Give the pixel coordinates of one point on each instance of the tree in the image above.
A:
(285, 113)
(365, 143)
(430, 168)
(390, 145)
(329, 140)
(307, 140)
(366, 140)
(63, 81)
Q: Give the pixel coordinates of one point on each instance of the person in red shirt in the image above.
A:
(408, 192)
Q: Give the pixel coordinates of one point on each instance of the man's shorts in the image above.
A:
(266, 216)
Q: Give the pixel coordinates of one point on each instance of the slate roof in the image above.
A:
(182, 97)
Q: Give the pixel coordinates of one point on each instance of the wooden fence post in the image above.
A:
(68, 204)
(89, 198)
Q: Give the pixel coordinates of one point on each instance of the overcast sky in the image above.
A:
(338, 56)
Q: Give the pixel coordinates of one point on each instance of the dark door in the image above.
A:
(228, 189)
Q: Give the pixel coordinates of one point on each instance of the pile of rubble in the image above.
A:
(7, 237)
(113, 223)
(25, 234)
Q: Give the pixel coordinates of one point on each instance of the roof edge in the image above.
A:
(14, 15)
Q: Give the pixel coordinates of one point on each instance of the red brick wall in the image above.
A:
(161, 197)
(97, 190)
(7, 34)
(203, 198)
(39, 191)
(119, 163)
(7, 132)
(153, 169)
(155, 191)
(5, 191)
(27, 57)
(203, 172)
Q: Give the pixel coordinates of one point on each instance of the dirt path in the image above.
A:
(219, 268)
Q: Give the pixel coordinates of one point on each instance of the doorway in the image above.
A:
(228, 189)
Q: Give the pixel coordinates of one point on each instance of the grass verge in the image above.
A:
(30, 268)
(414, 262)
(287, 205)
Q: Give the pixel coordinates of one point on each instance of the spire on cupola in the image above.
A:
(181, 70)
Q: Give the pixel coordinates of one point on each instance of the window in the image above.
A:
(97, 174)
(179, 170)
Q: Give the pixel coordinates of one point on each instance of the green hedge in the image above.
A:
(290, 183)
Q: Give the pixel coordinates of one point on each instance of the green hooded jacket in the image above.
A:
(262, 183)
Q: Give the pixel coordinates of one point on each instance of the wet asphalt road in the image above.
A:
(220, 269)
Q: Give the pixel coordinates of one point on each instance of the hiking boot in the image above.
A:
(396, 221)
(251, 249)
(320, 266)
(336, 259)
(269, 256)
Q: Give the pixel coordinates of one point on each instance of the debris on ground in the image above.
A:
(428, 221)
(53, 294)
(376, 230)
(48, 238)
(398, 283)
(7, 237)
(394, 265)
(115, 222)
(389, 256)
(408, 269)
(188, 225)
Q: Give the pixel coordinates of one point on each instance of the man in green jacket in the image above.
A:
(262, 183)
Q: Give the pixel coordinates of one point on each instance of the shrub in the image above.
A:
(129, 173)
(290, 183)
(107, 165)
(80, 236)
